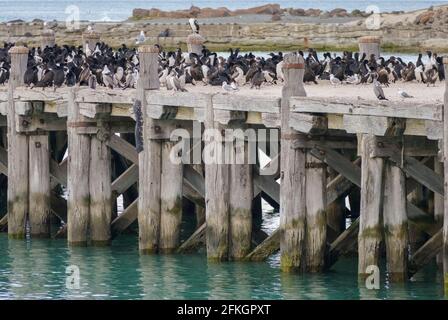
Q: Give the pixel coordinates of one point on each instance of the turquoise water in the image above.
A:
(118, 10)
(36, 270)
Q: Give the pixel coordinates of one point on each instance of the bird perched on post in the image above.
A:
(141, 38)
(194, 25)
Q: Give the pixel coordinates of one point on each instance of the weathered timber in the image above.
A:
(100, 192)
(125, 219)
(292, 186)
(149, 159)
(39, 186)
(426, 253)
(370, 230)
(353, 106)
(316, 215)
(18, 186)
(217, 176)
(445, 194)
(170, 198)
(78, 178)
(395, 223)
(241, 195)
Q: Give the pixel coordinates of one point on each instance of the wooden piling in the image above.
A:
(292, 186)
(438, 205)
(316, 217)
(241, 194)
(445, 165)
(195, 43)
(89, 40)
(39, 186)
(395, 223)
(369, 45)
(150, 164)
(48, 38)
(18, 192)
(78, 210)
(170, 199)
(100, 191)
(370, 230)
(216, 190)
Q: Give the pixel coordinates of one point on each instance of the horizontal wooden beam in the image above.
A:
(384, 108)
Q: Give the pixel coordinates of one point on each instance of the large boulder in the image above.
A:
(266, 9)
(140, 13)
(338, 12)
(297, 12)
(313, 12)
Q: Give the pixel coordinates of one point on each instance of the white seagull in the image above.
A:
(404, 94)
(334, 81)
(141, 38)
(229, 87)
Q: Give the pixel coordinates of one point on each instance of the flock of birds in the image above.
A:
(119, 69)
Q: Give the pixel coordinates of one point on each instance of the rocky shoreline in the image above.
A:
(400, 31)
(275, 10)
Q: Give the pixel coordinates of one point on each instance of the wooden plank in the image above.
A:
(125, 180)
(194, 241)
(177, 99)
(123, 147)
(101, 95)
(125, 219)
(307, 123)
(420, 172)
(343, 243)
(239, 102)
(93, 110)
(43, 122)
(426, 253)
(398, 109)
(194, 179)
(268, 247)
(27, 94)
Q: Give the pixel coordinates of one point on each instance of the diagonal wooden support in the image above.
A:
(352, 175)
(418, 171)
(426, 252)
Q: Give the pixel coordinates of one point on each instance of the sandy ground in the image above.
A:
(421, 93)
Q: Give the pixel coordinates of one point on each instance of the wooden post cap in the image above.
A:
(148, 49)
(369, 39)
(195, 39)
(19, 50)
(445, 60)
(293, 61)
